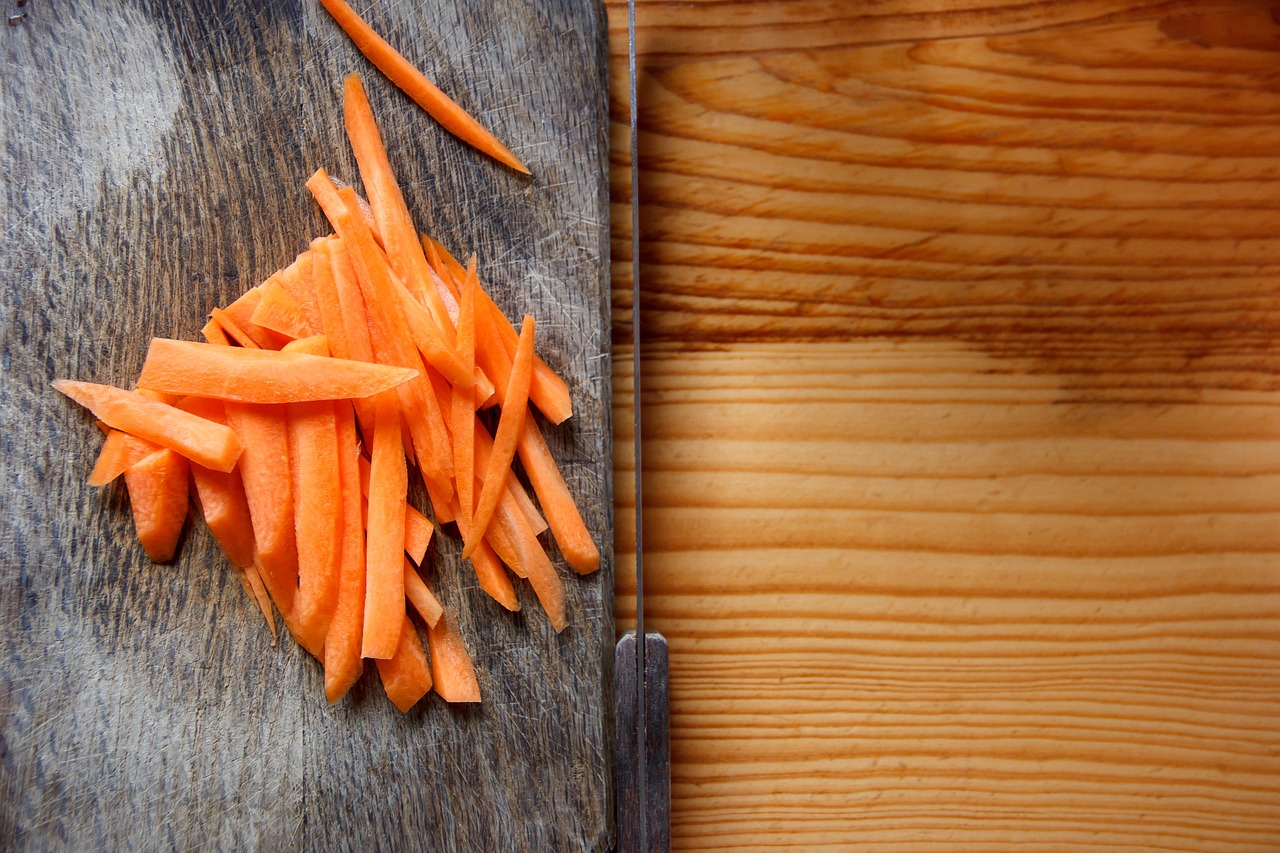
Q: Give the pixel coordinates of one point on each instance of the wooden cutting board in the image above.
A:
(154, 156)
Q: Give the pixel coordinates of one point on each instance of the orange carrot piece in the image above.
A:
(261, 376)
(240, 313)
(232, 329)
(226, 512)
(313, 447)
(504, 443)
(422, 599)
(268, 487)
(406, 675)
(415, 84)
(252, 582)
(355, 321)
(210, 444)
(280, 312)
(493, 577)
(441, 503)
(214, 334)
(384, 554)
(119, 453)
(158, 497)
(328, 303)
(451, 669)
(462, 407)
(537, 566)
(418, 529)
(566, 523)
(298, 281)
(342, 663)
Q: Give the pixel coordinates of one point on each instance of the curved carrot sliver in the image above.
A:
(262, 376)
(212, 445)
(415, 84)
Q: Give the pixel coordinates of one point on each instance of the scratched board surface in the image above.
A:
(154, 156)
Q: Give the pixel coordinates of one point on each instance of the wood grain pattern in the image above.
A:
(962, 432)
(156, 154)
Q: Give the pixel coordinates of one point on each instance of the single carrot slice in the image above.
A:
(210, 444)
(297, 279)
(328, 302)
(418, 529)
(119, 453)
(214, 334)
(463, 413)
(537, 566)
(493, 577)
(504, 443)
(158, 497)
(384, 556)
(232, 329)
(226, 512)
(261, 376)
(406, 675)
(415, 84)
(451, 669)
(422, 599)
(258, 594)
(268, 487)
(342, 663)
(280, 312)
(240, 313)
(313, 447)
(355, 321)
(566, 523)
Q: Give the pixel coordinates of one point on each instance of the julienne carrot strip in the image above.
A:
(241, 313)
(210, 444)
(313, 445)
(538, 568)
(406, 675)
(158, 497)
(232, 330)
(384, 549)
(463, 413)
(280, 312)
(415, 84)
(355, 321)
(297, 279)
(258, 594)
(387, 201)
(219, 495)
(262, 376)
(119, 453)
(435, 266)
(419, 596)
(213, 333)
(493, 577)
(417, 527)
(451, 669)
(342, 662)
(504, 443)
(268, 487)
(562, 514)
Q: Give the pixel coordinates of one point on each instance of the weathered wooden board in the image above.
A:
(154, 156)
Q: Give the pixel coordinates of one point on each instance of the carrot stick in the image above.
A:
(261, 376)
(454, 676)
(232, 329)
(158, 497)
(221, 495)
(388, 484)
(342, 663)
(387, 202)
(418, 529)
(280, 312)
(570, 533)
(406, 675)
(214, 334)
(537, 567)
(119, 453)
(504, 443)
(298, 281)
(328, 302)
(268, 487)
(355, 321)
(240, 313)
(415, 84)
(462, 404)
(419, 596)
(493, 577)
(258, 594)
(313, 447)
(210, 444)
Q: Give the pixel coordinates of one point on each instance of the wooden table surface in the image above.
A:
(962, 423)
